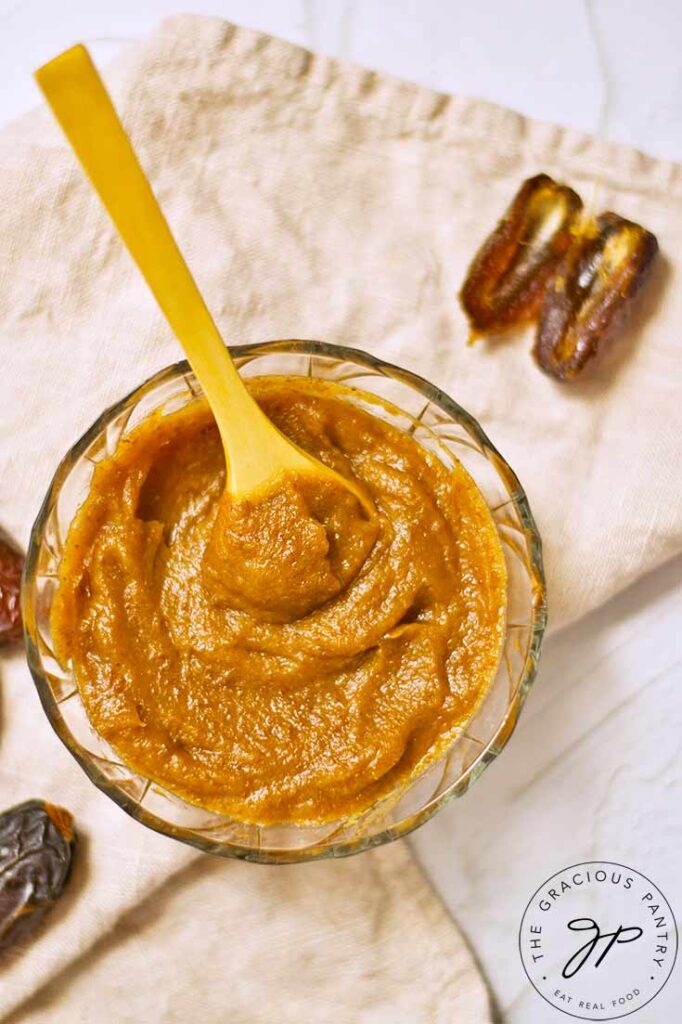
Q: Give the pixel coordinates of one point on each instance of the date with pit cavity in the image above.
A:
(590, 292)
(507, 280)
(11, 566)
(37, 844)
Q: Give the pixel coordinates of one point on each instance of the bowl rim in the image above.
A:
(320, 850)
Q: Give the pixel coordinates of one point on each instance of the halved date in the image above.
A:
(37, 842)
(11, 565)
(601, 272)
(508, 277)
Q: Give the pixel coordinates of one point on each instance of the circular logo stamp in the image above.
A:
(598, 940)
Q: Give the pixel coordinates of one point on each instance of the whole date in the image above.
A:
(37, 843)
(11, 565)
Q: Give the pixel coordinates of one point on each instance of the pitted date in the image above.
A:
(599, 275)
(11, 565)
(508, 277)
(37, 843)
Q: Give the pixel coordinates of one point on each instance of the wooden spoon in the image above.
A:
(257, 454)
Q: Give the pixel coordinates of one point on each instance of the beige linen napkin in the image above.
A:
(314, 200)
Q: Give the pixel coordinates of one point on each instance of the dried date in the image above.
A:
(37, 843)
(11, 565)
(508, 277)
(595, 281)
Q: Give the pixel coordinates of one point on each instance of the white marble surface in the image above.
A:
(593, 770)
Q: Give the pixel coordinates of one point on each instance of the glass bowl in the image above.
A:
(436, 422)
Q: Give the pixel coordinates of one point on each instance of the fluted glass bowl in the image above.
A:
(437, 423)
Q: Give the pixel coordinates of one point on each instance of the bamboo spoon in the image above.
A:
(256, 453)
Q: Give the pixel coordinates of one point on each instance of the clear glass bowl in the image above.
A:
(436, 422)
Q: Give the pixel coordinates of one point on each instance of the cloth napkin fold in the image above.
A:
(313, 199)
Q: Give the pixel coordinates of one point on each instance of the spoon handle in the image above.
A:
(75, 92)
